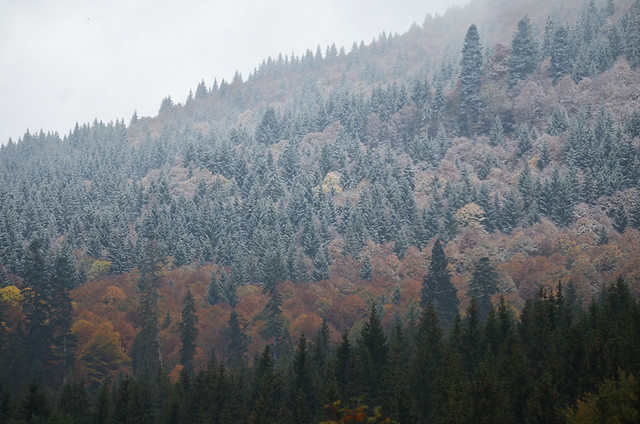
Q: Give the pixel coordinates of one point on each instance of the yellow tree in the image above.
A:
(103, 355)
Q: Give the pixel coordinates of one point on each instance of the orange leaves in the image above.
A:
(103, 356)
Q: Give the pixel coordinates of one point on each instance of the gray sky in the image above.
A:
(68, 61)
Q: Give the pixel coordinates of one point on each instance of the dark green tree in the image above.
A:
(303, 391)
(188, 331)
(62, 281)
(37, 303)
(146, 353)
(483, 285)
(437, 288)
(237, 340)
(373, 352)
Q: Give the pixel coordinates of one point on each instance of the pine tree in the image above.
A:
(268, 131)
(545, 157)
(146, 353)
(483, 285)
(437, 288)
(496, 136)
(634, 218)
(237, 340)
(523, 135)
(188, 332)
(559, 122)
(366, 270)
(373, 351)
(61, 311)
(470, 80)
(38, 297)
(214, 291)
(524, 52)
(560, 55)
(603, 237)
(620, 219)
(303, 390)
(321, 266)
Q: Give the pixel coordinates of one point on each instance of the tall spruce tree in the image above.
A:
(524, 52)
(437, 288)
(470, 80)
(146, 353)
(62, 281)
(37, 303)
(483, 285)
(560, 55)
(188, 332)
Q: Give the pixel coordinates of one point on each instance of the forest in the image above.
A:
(431, 227)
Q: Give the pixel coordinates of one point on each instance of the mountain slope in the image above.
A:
(285, 185)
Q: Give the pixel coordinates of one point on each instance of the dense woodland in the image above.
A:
(443, 216)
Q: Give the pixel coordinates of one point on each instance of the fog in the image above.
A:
(68, 61)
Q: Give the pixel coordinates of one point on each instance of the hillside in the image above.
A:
(321, 187)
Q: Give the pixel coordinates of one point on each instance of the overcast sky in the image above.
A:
(68, 61)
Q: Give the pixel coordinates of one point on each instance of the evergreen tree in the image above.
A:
(237, 340)
(524, 52)
(37, 302)
(603, 237)
(483, 285)
(303, 390)
(470, 80)
(634, 218)
(496, 136)
(61, 311)
(426, 361)
(268, 131)
(544, 159)
(373, 352)
(559, 122)
(188, 332)
(367, 270)
(146, 353)
(214, 291)
(437, 288)
(523, 135)
(620, 219)
(560, 55)
(321, 266)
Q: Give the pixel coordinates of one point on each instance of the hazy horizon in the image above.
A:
(69, 61)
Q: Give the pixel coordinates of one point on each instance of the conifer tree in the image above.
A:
(237, 340)
(321, 266)
(620, 219)
(483, 285)
(62, 281)
(470, 80)
(524, 52)
(560, 55)
(188, 331)
(437, 288)
(373, 351)
(496, 136)
(37, 302)
(146, 352)
(366, 270)
(603, 237)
